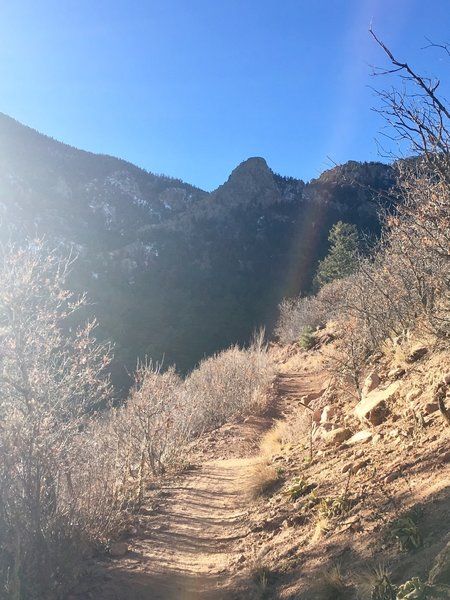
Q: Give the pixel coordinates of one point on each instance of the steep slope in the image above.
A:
(173, 271)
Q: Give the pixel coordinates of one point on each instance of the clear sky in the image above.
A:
(190, 88)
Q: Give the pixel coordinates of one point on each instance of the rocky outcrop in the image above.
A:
(373, 407)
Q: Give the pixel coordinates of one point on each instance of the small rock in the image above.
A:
(327, 413)
(240, 559)
(413, 394)
(359, 466)
(262, 552)
(446, 378)
(361, 437)
(372, 408)
(417, 353)
(328, 426)
(431, 407)
(346, 468)
(440, 572)
(118, 549)
(376, 438)
(396, 373)
(392, 476)
(317, 415)
(351, 520)
(371, 382)
(446, 457)
(337, 436)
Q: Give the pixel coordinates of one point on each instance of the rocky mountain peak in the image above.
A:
(251, 182)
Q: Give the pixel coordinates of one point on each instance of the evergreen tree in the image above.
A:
(342, 258)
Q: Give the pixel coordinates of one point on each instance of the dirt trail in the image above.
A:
(187, 548)
(190, 546)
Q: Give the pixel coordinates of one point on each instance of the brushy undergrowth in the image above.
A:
(71, 466)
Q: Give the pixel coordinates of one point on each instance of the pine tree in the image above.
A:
(342, 258)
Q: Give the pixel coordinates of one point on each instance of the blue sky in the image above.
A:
(190, 88)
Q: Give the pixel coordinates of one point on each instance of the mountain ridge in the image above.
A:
(173, 270)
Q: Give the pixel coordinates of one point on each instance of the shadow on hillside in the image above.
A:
(357, 554)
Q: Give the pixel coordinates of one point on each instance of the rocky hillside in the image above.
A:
(173, 271)
(320, 497)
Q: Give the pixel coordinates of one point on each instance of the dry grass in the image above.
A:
(274, 441)
(321, 527)
(262, 479)
(375, 583)
(332, 585)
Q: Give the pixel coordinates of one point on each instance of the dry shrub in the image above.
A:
(148, 430)
(229, 385)
(298, 315)
(69, 472)
(404, 286)
(51, 383)
(332, 585)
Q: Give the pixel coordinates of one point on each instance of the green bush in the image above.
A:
(308, 339)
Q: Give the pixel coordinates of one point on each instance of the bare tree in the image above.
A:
(415, 112)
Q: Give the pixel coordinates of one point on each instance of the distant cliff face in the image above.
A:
(173, 271)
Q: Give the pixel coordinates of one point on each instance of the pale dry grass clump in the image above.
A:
(262, 479)
(332, 585)
(274, 441)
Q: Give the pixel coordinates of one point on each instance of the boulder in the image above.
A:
(372, 408)
(370, 383)
(335, 437)
(417, 353)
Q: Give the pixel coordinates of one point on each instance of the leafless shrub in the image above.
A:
(50, 384)
(297, 315)
(68, 470)
(149, 429)
(228, 385)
